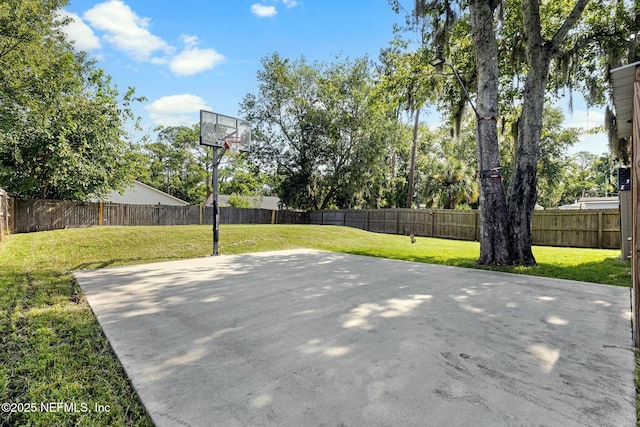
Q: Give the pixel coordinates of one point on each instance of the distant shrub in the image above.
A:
(238, 201)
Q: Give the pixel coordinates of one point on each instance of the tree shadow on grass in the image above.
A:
(610, 271)
(121, 262)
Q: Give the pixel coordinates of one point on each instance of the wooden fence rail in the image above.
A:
(42, 215)
(579, 228)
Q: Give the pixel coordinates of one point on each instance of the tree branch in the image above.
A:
(586, 41)
(571, 20)
(531, 19)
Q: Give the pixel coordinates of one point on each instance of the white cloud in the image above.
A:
(263, 11)
(584, 119)
(596, 144)
(176, 110)
(189, 40)
(126, 30)
(193, 60)
(79, 33)
(587, 120)
(289, 3)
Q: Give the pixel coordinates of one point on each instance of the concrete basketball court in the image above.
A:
(311, 338)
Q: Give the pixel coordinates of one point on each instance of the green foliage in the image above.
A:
(553, 158)
(454, 183)
(406, 81)
(320, 129)
(238, 175)
(238, 201)
(562, 178)
(61, 121)
(178, 164)
(591, 176)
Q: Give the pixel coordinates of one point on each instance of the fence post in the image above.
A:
(100, 213)
(600, 227)
(4, 206)
(273, 216)
(433, 222)
(12, 214)
(477, 226)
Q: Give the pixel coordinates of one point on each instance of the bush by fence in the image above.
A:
(579, 228)
(42, 215)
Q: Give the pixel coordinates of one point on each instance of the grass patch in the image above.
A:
(587, 265)
(53, 349)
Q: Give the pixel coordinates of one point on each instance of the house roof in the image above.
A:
(262, 202)
(594, 202)
(598, 199)
(622, 79)
(138, 193)
(160, 192)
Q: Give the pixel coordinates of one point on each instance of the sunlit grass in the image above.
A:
(52, 348)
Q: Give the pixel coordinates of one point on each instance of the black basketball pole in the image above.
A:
(216, 208)
(215, 130)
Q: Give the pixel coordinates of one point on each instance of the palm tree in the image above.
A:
(454, 183)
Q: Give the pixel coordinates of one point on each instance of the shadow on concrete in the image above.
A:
(311, 338)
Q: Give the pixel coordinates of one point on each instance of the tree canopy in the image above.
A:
(61, 119)
(341, 133)
(319, 128)
(521, 52)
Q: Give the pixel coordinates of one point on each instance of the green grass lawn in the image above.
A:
(52, 348)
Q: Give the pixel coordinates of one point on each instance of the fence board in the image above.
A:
(40, 215)
(415, 221)
(333, 217)
(384, 221)
(4, 213)
(356, 219)
(582, 228)
(451, 224)
(315, 217)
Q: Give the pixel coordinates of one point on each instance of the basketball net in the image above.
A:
(233, 144)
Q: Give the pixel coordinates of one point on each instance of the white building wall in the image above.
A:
(142, 194)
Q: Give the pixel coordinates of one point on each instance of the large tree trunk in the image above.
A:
(494, 241)
(522, 193)
(412, 168)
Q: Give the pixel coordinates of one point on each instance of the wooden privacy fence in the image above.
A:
(579, 228)
(4, 213)
(41, 215)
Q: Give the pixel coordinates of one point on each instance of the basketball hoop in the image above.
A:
(233, 144)
(222, 133)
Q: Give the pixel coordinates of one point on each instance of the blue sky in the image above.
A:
(188, 55)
